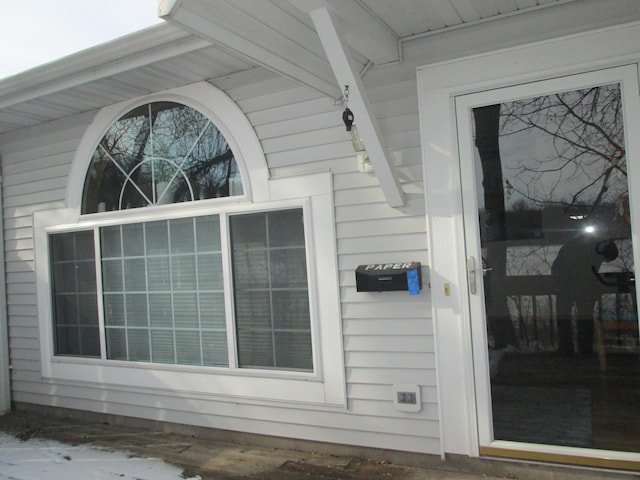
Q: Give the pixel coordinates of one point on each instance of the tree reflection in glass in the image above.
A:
(159, 153)
(558, 269)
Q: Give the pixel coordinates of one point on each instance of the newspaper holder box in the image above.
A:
(389, 277)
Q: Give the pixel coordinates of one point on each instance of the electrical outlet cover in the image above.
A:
(406, 397)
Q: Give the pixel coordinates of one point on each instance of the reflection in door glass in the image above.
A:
(559, 281)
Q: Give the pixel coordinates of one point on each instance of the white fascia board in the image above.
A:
(211, 21)
(336, 49)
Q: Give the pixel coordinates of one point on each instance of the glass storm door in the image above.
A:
(547, 176)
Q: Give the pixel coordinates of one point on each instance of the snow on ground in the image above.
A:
(38, 459)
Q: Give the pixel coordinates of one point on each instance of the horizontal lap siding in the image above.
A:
(388, 337)
(35, 165)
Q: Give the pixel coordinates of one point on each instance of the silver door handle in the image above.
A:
(471, 275)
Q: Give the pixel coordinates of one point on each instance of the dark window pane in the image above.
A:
(253, 310)
(185, 310)
(210, 272)
(116, 343)
(74, 301)
(249, 231)
(182, 235)
(64, 277)
(286, 228)
(110, 242)
(86, 275)
(84, 248)
(89, 341)
(183, 272)
(112, 280)
(251, 268)
(67, 340)
(66, 309)
(162, 346)
(160, 310)
(114, 309)
(188, 347)
(138, 343)
(270, 290)
(255, 349)
(291, 310)
(293, 350)
(137, 310)
(157, 238)
(133, 240)
(208, 234)
(158, 274)
(288, 268)
(214, 349)
(212, 312)
(135, 276)
(62, 246)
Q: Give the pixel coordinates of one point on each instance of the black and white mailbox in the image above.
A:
(389, 277)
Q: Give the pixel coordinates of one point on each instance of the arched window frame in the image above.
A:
(312, 193)
(209, 101)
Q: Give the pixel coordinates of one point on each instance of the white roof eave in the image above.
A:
(123, 54)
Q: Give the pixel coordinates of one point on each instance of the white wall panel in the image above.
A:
(388, 337)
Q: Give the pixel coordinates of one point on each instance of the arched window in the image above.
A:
(159, 153)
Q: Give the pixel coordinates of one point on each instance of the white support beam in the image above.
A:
(337, 50)
(244, 32)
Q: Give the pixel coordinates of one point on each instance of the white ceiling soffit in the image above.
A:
(363, 31)
(267, 35)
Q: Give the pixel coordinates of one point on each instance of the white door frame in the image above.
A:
(627, 76)
(438, 86)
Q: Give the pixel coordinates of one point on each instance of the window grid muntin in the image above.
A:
(203, 158)
(228, 294)
(75, 293)
(174, 328)
(273, 331)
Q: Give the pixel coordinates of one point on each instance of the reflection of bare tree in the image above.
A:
(582, 132)
(494, 227)
(159, 153)
(544, 158)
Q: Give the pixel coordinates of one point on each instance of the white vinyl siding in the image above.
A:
(387, 337)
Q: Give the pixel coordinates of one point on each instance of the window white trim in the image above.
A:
(314, 193)
(326, 385)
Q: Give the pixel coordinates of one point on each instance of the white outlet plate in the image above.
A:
(406, 397)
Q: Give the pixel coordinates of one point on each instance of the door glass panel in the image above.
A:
(558, 270)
